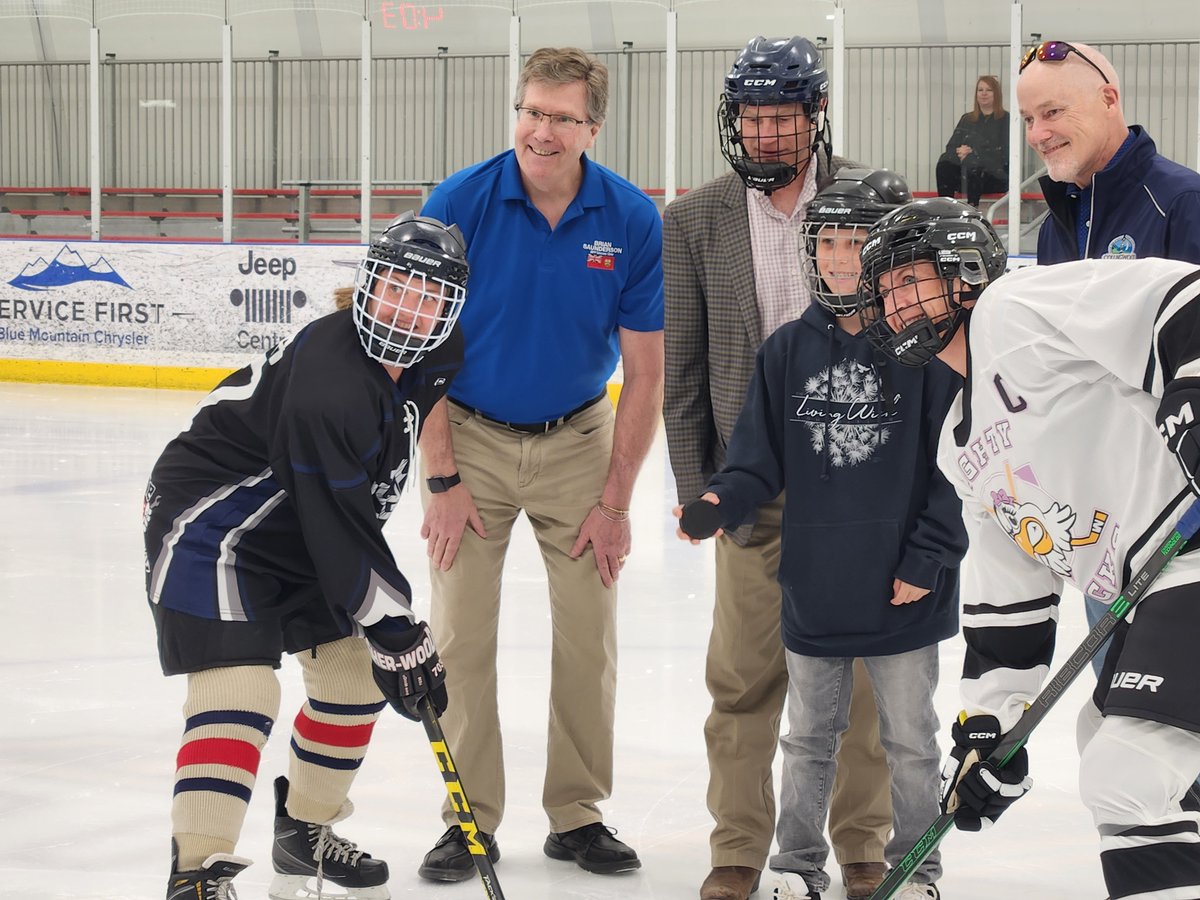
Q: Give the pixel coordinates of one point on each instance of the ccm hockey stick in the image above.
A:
(458, 799)
(1015, 739)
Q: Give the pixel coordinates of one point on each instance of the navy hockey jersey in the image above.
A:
(277, 493)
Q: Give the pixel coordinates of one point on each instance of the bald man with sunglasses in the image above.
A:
(1111, 193)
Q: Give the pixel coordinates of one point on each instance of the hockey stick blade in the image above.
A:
(700, 519)
(458, 800)
(1015, 739)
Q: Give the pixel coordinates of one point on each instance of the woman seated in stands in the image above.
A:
(976, 157)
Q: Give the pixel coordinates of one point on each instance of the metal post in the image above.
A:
(273, 74)
(364, 164)
(442, 112)
(837, 87)
(514, 67)
(302, 212)
(626, 151)
(670, 125)
(1015, 136)
(94, 128)
(227, 133)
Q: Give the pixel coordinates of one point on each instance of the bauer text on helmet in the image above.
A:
(410, 289)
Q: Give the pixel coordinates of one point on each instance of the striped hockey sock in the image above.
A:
(228, 717)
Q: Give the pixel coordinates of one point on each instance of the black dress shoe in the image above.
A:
(595, 848)
(450, 860)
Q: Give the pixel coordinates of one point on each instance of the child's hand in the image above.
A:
(699, 519)
(903, 592)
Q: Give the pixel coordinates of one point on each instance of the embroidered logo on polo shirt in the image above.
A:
(1121, 247)
(602, 255)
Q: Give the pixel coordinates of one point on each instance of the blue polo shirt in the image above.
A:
(543, 307)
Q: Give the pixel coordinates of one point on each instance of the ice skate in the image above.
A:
(212, 881)
(312, 862)
(915, 891)
(789, 886)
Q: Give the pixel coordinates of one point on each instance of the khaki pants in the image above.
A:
(555, 479)
(747, 678)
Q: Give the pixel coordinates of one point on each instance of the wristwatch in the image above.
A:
(439, 484)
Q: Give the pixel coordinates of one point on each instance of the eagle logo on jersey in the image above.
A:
(1044, 534)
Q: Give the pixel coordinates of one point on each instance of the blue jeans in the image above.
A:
(818, 711)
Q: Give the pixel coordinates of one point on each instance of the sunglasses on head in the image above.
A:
(1055, 51)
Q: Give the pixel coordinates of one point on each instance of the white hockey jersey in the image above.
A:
(1054, 450)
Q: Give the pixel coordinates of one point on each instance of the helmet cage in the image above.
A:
(766, 176)
(407, 299)
(770, 72)
(918, 340)
(839, 304)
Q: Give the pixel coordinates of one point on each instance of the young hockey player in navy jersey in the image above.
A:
(872, 539)
(1054, 446)
(263, 528)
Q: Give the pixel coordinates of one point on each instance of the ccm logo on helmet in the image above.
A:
(750, 82)
(425, 260)
(959, 235)
(908, 343)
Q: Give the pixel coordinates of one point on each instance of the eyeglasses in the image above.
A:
(1055, 51)
(559, 124)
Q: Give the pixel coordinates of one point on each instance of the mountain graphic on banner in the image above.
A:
(68, 267)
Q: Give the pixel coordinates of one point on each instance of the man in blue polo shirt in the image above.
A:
(566, 274)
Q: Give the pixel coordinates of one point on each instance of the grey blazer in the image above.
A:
(712, 324)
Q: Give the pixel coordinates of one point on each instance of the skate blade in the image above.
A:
(304, 887)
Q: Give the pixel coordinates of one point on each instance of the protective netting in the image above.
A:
(115, 9)
(58, 9)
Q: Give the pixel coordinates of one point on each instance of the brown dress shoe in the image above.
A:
(861, 879)
(729, 883)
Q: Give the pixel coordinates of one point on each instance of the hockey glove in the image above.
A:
(406, 668)
(974, 790)
(1177, 418)
(700, 519)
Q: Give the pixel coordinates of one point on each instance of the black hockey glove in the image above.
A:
(406, 668)
(974, 790)
(1178, 416)
(700, 519)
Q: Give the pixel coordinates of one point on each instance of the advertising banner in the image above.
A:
(182, 305)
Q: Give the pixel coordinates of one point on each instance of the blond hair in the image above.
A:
(343, 297)
(567, 65)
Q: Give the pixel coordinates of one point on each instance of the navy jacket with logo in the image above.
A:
(1142, 205)
(854, 442)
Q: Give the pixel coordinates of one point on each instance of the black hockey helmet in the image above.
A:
(768, 72)
(410, 289)
(966, 254)
(844, 210)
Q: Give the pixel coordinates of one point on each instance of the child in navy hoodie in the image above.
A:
(872, 538)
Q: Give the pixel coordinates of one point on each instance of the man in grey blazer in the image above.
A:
(732, 274)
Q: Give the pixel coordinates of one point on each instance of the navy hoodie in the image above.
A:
(854, 442)
(1142, 204)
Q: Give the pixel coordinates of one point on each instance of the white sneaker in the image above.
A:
(790, 886)
(915, 891)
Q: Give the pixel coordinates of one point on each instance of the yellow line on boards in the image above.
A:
(111, 374)
(176, 378)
